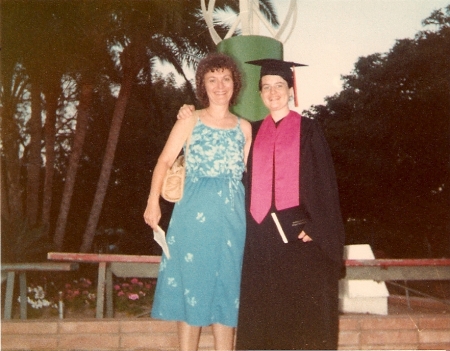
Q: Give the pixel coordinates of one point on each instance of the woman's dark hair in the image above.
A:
(211, 63)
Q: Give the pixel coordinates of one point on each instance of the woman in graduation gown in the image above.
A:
(289, 290)
(289, 285)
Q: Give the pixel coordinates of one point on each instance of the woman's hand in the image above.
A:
(185, 111)
(304, 237)
(152, 214)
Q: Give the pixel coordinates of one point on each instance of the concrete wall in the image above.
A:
(357, 332)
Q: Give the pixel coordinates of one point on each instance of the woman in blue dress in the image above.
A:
(199, 284)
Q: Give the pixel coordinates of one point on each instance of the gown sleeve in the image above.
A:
(319, 191)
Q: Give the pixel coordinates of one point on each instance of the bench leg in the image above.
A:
(9, 294)
(109, 292)
(100, 289)
(23, 295)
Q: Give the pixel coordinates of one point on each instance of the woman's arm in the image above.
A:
(174, 143)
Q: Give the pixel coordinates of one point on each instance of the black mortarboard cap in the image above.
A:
(284, 69)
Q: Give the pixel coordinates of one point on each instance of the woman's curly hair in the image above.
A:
(211, 63)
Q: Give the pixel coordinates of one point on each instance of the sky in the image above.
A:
(330, 36)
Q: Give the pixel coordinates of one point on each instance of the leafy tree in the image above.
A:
(388, 129)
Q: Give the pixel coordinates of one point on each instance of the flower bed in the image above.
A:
(133, 296)
(67, 296)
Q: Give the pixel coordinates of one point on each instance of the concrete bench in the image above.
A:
(10, 270)
(364, 290)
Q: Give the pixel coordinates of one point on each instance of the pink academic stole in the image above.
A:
(277, 147)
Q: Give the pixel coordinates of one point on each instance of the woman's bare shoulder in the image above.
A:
(245, 126)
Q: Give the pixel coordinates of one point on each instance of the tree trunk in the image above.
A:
(34, 156)
(13, 164)
(77, 148)
(12, 193)
(133, 58)
(50, 136)
(108, 159)
(4, 192)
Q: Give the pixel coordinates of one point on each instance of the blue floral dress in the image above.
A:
(200, 283)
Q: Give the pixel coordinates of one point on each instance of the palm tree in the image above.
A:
(75, 155)
(52, 93)
(14, 82)
(133, 58)
(45, 62)
(34, 44)
(57, 69)
(91, 61)
(34, 156)
(14, 88)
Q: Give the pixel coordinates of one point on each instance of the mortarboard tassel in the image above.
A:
(295, 87)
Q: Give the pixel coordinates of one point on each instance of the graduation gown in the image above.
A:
(289, 292)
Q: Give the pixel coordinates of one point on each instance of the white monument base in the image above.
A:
(362, 296)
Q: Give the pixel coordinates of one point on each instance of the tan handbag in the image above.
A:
(173, 183)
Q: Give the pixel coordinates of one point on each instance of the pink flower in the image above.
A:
(116, 287)
(85, 283)
(133, 296)
(120, 293)
(134, 281)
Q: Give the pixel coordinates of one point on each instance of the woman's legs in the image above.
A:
(188, 336)
(223, 337)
